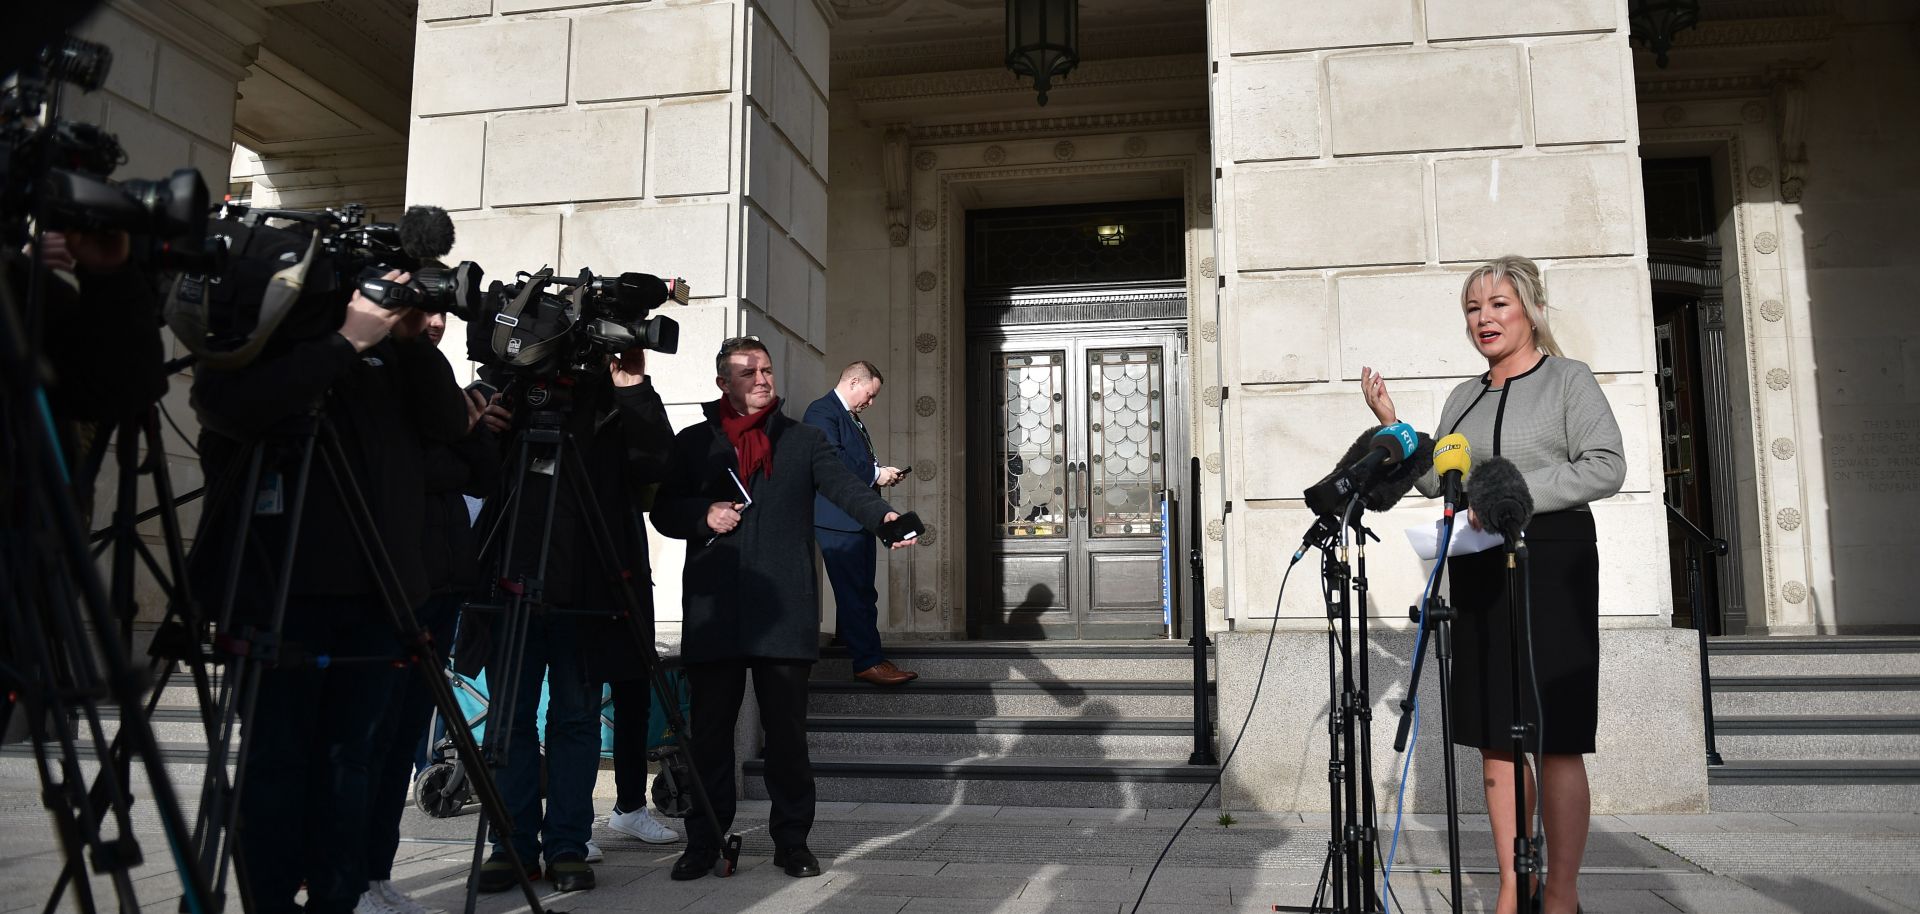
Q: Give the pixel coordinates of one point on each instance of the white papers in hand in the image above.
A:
(1425, 539)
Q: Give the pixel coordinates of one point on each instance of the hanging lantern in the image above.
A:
(1043, 40)
(1653, 24)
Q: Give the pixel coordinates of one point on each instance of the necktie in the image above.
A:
(862, 426)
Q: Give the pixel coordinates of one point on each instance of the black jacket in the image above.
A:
(753, 592)
(470, 466)
(383, 404)
(622, 435)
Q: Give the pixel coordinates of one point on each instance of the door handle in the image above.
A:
(1071, 492)
(1086, 490)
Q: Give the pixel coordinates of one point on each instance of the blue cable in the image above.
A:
(53, 435)
(1413, 739)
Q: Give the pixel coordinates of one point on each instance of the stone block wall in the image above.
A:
(1369, 155)
(169, 99)
(682, 139)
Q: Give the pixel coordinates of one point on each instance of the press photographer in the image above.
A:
(571, 364)
(82, 252)
(322, 350)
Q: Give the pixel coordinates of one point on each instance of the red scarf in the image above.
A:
(748, 435)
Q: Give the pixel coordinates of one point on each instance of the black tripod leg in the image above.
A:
(409, 633)
(1525, 854)
(574, 470)
(504, 671)
(1443, 652)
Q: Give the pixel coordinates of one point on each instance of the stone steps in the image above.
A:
(1821, 723)
(1815, 695)
(1777, 737)
(996, 660)
(1006, 697)
(1813, 657)
(1042, 737)
(1865, 785)
(1001, 781)
(1009, 723)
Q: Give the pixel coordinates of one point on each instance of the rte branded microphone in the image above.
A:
(1398, 480)
(1501, 499)
(1453, 457)
(1376, 450)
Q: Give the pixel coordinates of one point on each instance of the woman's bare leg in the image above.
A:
(1569, 808)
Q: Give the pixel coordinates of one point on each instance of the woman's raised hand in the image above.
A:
(1374, 387)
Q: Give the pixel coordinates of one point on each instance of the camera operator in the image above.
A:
(469, 466)
(618, 427)
(100, 335)
(385, 391)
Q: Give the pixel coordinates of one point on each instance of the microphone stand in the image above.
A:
(1526, 847)
(1351, 828)
(1438, 619)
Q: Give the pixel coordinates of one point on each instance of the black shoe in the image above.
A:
(570, 873)
(797, 861)
(496, 875)
(693, 864)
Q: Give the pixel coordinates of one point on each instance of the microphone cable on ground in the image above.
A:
(184, 437)
(1258, 681)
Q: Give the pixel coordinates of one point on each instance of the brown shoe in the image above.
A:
(911, 675)
(883, 674)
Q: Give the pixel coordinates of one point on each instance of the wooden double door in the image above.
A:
(1075, 439)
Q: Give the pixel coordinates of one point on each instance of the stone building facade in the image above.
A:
(813, 167)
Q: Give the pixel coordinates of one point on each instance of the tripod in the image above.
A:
(66, 667)
(1526, 844)
(176, 640)
(249, 650)
(1437, 621)
(547, 448)
(1346, 876)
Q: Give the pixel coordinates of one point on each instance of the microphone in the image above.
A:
(1453, 457)
(426, 232)
(1398, 480)
(1376, 449)
(1501, 498)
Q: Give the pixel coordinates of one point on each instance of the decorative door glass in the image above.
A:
(1125, 441)
(1030, 427)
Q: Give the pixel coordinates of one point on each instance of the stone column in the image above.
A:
(685, 139)
(1370, 154)
(169, 98)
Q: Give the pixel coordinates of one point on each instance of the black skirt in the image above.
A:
(1565, 597)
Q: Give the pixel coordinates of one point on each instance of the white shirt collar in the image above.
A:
(843, 400)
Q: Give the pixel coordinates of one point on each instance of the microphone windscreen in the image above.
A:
(1400, 477)
(1500, 497)
(426, 232)
(1399, 440)
(1324, 497)
(1452, 454)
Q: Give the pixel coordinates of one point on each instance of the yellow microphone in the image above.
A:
(1453, 460)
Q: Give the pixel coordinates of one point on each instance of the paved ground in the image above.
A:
(909, 859)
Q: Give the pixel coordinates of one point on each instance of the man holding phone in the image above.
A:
(846, 549)
(749, 590)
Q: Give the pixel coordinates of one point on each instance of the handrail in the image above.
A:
(1714, 545)
(1197, 631)
(1711, 545)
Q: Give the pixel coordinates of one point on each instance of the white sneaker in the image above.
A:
(594, 854)
(641, 824)
(396, 900)
(371, 903)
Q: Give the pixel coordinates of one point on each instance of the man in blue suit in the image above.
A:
(848, 548)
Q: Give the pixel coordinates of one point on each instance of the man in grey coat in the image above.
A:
(739, 488)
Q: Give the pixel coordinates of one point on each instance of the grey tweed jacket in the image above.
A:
(1552, 422)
